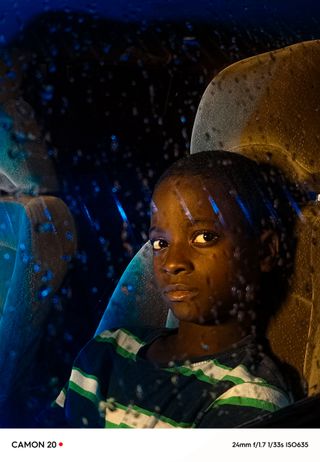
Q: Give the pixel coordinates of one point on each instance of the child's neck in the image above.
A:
(200, 340)
(196, 340)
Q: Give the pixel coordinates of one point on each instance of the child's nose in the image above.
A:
(177, 261)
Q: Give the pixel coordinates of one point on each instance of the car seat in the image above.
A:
(37, 240)
(266, 107)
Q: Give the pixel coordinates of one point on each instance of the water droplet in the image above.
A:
(36, 268)
(45, 228)
(47, 93)
(47, 276)
(44, 292)
(69, 236)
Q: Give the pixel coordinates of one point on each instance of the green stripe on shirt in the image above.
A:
(86, 394)
(126, 344)
(250, 402)
(133, 416)
(261, 396)
(212, 372)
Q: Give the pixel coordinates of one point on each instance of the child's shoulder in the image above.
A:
(141, 335)
(126, 341)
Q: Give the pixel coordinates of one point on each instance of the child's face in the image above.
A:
(204, 263)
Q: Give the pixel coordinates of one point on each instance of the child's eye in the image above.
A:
(159, 244)
(205, 237)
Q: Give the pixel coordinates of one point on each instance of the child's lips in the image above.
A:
(179, 292)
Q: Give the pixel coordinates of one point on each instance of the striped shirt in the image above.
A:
(112, 385)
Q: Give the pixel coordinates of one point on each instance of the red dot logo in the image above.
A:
(60, 444)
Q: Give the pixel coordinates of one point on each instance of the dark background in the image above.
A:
(115, 90)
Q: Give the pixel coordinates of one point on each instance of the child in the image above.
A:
(221, 231)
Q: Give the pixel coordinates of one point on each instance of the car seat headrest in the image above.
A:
(25, 166)
(266, 107)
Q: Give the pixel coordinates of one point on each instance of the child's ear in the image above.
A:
(269, 241)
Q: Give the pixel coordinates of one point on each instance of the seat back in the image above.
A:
(136, 300)
(268, 108)
(37, 239)
(36, 243)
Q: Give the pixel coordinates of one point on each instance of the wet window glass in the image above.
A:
(99, 112)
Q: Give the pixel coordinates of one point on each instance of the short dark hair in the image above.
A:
(264, 194)
(266, 197)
